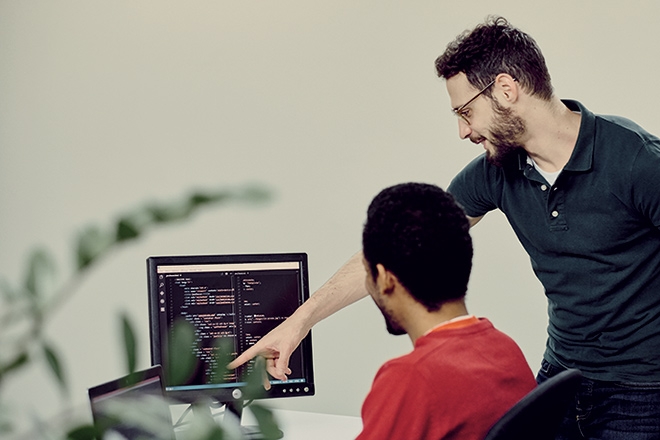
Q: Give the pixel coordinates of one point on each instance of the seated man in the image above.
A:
(462, 374)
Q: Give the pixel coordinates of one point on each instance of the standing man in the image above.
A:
(463, 374)
(582, 193)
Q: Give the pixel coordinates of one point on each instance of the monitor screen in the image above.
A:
(235, 299)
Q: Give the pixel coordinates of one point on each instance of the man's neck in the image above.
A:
(422, 320)
(552, 133)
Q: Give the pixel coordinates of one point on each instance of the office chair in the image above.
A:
(537, 415)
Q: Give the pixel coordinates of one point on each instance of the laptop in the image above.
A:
(133, 407)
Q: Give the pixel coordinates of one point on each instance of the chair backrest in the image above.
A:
(538, 415)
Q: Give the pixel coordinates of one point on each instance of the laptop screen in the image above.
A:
(132, 407)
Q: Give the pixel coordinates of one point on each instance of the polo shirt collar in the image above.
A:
(583, 153)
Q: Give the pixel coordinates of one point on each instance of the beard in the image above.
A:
(393, 327)
(505, 133)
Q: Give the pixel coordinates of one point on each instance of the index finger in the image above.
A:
(248, 354)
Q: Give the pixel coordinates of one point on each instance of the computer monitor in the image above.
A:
(235, 298)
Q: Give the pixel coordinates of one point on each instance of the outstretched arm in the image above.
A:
(345, 287)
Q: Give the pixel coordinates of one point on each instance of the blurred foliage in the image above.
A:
(145, 414)
(26, 308)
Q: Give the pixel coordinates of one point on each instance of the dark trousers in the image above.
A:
(609, 410)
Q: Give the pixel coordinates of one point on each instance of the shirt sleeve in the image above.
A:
(476, 187)
(646, 181)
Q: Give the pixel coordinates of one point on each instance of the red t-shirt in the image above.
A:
(455, 384)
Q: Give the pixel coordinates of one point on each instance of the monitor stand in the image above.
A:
(233, 413)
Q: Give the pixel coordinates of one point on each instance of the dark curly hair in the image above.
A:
(419, 233)
(495, 47)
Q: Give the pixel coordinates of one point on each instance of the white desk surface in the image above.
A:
(298, 425)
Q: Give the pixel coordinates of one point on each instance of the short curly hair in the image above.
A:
(419, 233)
(495, 47)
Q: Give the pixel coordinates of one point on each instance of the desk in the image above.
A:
(298, 425)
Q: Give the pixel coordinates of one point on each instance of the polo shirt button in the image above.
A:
(555, 214)
(544, 187)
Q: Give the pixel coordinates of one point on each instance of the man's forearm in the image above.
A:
(345, 287)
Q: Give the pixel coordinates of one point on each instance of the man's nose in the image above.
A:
(464, 129)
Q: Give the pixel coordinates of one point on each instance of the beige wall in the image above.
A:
(105, 105)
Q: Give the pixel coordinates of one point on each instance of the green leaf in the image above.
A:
(6, 289)
(127, 229)
(157, 213)
(169, 214)
(55, 365)
(6, 421)
(255, 380)
(215, 433)
(130, 343)
(9, 294)
(203, 198)
(84, 432)
(161, 213)
(181, 359)
(20, 360)
(254, 193)
(40, 273)
(266, 421)
(223, 353)
(92, 243)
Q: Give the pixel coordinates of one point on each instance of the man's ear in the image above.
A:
(385, 280)
(507, 88)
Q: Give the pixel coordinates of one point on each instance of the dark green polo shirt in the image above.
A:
(594, 243)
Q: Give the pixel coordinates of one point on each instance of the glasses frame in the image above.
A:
(458, 110)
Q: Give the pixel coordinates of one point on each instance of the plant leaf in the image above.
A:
(255, 193)
(127, 229)
(130, 343)
(9, 293)
(200, 198)
(15, 364)
(161, 213)
(83, 432)
(6, 424)
(157, 213)
(255, 380)
(92, 243)
(55, 365)
(181, 358)
(223, 350)
(215, 433)
(266, 421)
(40, 273)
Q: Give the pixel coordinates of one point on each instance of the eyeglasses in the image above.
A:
(459, 111)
